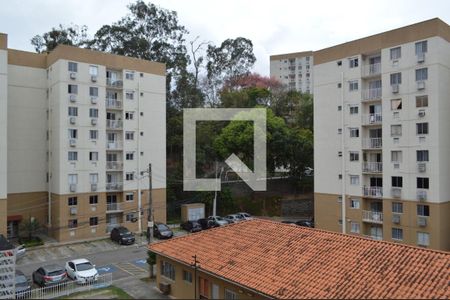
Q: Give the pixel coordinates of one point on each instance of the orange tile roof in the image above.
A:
(288, 261)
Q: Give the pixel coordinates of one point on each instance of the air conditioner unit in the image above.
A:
(420, 57)
(422, 195)
(73, 210)
(395, 88)
(93, 187)
(94, 78)
(396, 192)
(421, 113)
(421, 167)
(94, 100)
(422, 221)
(73, 75)
(396, 218)
(72, 142)
(72, 120)
(94, 121)
(73, 98)
(420, 85)
(164, 288)
(73, 188)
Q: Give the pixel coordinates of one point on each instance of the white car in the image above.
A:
(81, 270)
(245, 215)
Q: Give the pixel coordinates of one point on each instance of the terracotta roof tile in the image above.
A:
(288, 261)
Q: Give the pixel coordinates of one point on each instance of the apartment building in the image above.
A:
(295, 70)
(381, 122)
(80, 128)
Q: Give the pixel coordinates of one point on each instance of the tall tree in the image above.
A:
(73, 35)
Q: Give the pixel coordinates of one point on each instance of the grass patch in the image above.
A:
(111, 292)
(33, 242)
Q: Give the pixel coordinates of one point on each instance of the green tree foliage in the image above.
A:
(73, 35)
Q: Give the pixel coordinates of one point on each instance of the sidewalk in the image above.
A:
(139, 289)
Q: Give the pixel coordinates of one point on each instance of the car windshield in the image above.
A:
(162, 227)
(84, 266)
(21, 279)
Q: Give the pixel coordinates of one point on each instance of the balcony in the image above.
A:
(371, 94)
(372, 216)
(372, 143)
(114, 165)
(112, 103)
(114, 145)
(114, 124)
(374, 237)
(114, 83)
(372, 119)
(372, 167)
(373, 191)
(371, 70)
(114, 186)
(113, 207)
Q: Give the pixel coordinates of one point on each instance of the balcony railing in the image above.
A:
(372, 167)
(372, 119)
(372, 143)
(374, 237)
(373, 191)
(371, 94)
(371, 70)
(114, 186)
(114, 145)
(114, 165)
(113, 207)
(113, 103)
(115, 83)
(372, 216)
(114, 124)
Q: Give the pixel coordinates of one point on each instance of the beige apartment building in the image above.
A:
(294, 70)
(381, 136)
(79, 129)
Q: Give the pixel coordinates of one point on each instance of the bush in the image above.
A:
(33, 242)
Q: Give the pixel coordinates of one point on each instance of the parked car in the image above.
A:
(23, 285)
(191, 226)
(81, 270)
(245, 215)
(162, 231)
(122, 236)
(207, 223)
(20, 251)
(219, 221)
(49, 275)
(309, 224)
(234, 218)
(308, 171)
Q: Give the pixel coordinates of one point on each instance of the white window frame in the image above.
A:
(93, 156)
(93, 112)
(423, 239)
(129, 135)
(129, 176)
(129, 153)
(72, 156)
(129, 75)
(395, 53)
(398, 154)
(93, 178)
(93, 134)
(353, 62)
(72, 66)
(355, 204)
(354, 132)
(72, 111)
(129, 95)
(398, 231)
(129, 115)
(354, 179)
(353, 85)
(73, 133)
(73, 178)
(396, 130)
(93, 91)
(355, 227)
(354, 109)
(128, 195)
(354, 156)
(93, 70)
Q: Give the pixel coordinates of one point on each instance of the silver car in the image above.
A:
(245, 215)
(234, 218)
(218, 220)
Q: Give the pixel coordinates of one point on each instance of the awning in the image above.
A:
(15, 218)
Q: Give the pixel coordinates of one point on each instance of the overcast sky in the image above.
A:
(274, 27)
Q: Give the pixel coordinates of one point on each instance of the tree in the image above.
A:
(30, 227)
(73, 35)
(151, 261)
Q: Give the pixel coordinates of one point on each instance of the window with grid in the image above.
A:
(72, 201)
(129, 197)
(93, 70)
(73, 223)
(93, 113)
(396, 53)
(397, 207)
(354, 110)
(354, 227)
(396, 156)
(422, 128)
(93, 134)
(73, 67)
(423, 239)
(354, 203)
(167, 270)
(353, 62)
(229, 294)
(396, 78)
(129, 135)
(423, 210)
(397, 181)
(73, 156)
(396, 130)
(93, 156)
(353, 85)
(354, 179)
(421, 74)
(93, 199)
(93, 91)
(93, 221)
(73, 111)
(354, 132)
(73, 134)
(423, 183)
(396, 104)
(72, 89)
(397, 234)
(422, 155)
(129, 176)
(421, 47)
(422, 101)
(354, 156)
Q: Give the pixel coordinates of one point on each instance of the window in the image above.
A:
(354, 203)
(354, 156)
(339, 85)
(396, 104)
(129, 115)
(187, 276)
(129, 217)
(73, 155)
(397, 234)
(354, 179)
(129, 197)
(93, 178)
(73, 111)
(339, 63)
(93, 70)
(354, 132)
(396, 156)
(339, 130)
(396, 53)
(397, 207)
(129, 75)
(93, 91)
(73, 178)
(396, 130)
(129, 176)
(229, 294)
(353, 62)
(354, 227)
(167, 270)
(353, 110)
(142, 113)
(129, 95)
(93, 134)
(129, 135)
(422, 74)
(93, 113)
(340, 176)
(353, 85)
(129, 156)
(73, 134)
(423, 183)
(423, 239)
(422, 128)
(93, 156)
(93, 199)
(397, 181)
(422, 155)
(421, 47)
(93, 221)
(339, 108)
(73, 67)
(72, 201)
(423, 210)
(396, 78)
(72, 89)
(422, 101)
(73, 223)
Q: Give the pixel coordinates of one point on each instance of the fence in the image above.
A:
(67, 288)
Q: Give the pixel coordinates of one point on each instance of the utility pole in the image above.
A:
(150, 205)
(195, 265)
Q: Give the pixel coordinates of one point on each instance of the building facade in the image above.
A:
(81, 129)
(381, 161)
(294, 70)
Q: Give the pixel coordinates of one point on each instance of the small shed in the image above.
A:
(192, 211)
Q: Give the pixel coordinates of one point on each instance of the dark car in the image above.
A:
(207, 223)
(23, 285)
(309, 224)
(122, 236)
(49, 275)
(162, 231)
(191, 226)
